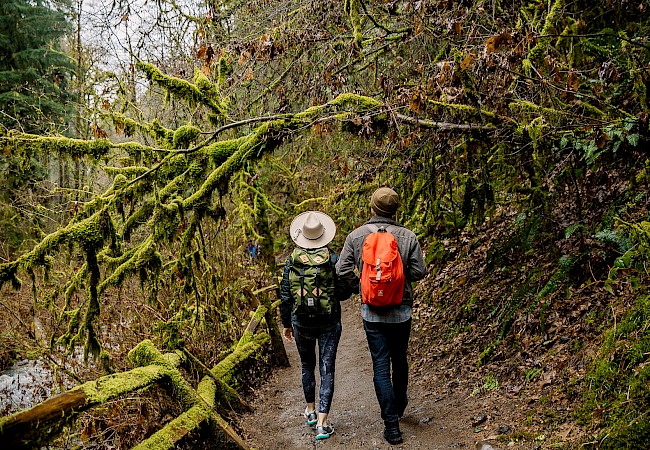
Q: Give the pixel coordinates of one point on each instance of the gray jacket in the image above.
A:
(409, 248)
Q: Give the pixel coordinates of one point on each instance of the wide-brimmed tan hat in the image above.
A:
(312, 229)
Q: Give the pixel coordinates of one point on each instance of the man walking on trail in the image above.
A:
(387, 326)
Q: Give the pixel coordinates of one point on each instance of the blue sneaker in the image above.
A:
(311, 417)
(323, 431)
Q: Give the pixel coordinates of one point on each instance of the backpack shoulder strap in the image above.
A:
(372, 227)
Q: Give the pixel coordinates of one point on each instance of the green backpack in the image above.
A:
(311, 277)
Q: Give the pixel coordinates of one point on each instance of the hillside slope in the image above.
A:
(532, 306)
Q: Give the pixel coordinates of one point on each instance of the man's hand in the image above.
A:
(288, 334)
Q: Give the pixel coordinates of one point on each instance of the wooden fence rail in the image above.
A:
(216, 390)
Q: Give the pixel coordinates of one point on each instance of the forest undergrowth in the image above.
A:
(529, 307)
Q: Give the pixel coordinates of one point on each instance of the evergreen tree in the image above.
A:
(34, 70)
(34, 98)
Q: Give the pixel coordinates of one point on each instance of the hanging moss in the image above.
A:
(175, 163)
(74, 284)
(8, 272)
(188, 234)
(536, 129)
(552, 17)
(138, 218)
(526, 107)
(70, 337)
(125, 124)
(166, 220)
(352, 8)
(353, 102)
(223, 70)
(143, 214)
(222, 150)
(144, 258)
(204, 85)
(181, 89)
(228, 167)
(89, 233)
(128, 172)
(114, 261)
(358, 103)
(464, 111)
(92, 345)
(136, 151)
(164, 136)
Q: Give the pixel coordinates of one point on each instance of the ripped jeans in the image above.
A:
(328, 342)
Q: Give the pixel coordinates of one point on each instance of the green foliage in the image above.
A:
(610, 139)
(487, 353)
(615, 238)
(20, 175)
(326, 104)
(34, 72)
(635, 249)
(521, 240)
(565, 264)
(619, 381)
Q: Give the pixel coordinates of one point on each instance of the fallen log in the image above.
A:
(25, 428)
(191, 420)
(179, 428)
(17, 428)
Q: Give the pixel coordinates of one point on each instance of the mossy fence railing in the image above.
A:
(215, 392)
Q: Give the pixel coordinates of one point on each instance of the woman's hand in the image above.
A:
(288, 334)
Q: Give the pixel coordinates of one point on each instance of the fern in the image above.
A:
(615, 238)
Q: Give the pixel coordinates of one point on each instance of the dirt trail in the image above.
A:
(439, 415)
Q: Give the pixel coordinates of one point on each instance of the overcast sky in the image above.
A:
(152, 30)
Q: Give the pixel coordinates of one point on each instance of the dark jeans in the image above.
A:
(388, 343)
(328, 342)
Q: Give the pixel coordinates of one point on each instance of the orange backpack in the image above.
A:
(382, 274)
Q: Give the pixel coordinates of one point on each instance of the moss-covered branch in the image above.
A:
(75, 148)
(201, 92)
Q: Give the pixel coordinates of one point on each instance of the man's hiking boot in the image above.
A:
(393, 435)
(311, 417)
(323, 431)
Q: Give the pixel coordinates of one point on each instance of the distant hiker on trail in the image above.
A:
(388, 258)
(253, 250)
(311, 312)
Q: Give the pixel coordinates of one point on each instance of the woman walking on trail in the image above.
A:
(311, 312)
